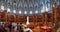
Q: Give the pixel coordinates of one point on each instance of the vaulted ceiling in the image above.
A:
(27, 6)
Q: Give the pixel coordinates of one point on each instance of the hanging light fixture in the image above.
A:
(25, 12)
(14, 11)
(47, 9)
(20, 12)
(53, 5)
(36, 11)
(42, 10)
(30, 12)
(8, 9)
(2, 7)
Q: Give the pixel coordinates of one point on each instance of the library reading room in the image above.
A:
(29, 15)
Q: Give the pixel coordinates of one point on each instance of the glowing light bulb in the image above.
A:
(53, 5)
(8, 9)
(30, 12)
(2, 7)
(14, 11)
(25, 12)
(19, 12)
(46, 9)
(36, 11)
(42, 11)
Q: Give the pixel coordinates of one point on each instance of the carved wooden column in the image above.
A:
(14, 17)
(58, 16)
(35, 17)
(58, 13)
(50, 19)
(54, 10)
(17, 18)
(0, 16)
(45, 18)
(54, 15)
(8, 17)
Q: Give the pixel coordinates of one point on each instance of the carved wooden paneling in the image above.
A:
(55, 15)
(50, 18)
(58, 13)
(39, 19)
(3, 16)
(22, 19)
(8, 17)
(31, 18)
